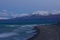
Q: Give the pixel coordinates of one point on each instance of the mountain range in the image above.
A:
(32, 19)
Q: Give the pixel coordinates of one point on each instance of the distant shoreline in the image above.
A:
(37, 33)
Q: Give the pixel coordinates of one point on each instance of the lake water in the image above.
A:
(16, 32)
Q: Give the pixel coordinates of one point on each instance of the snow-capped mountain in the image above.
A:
(38, 17)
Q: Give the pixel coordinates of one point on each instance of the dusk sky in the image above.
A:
(29, 5)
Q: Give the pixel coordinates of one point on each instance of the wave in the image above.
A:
(5, 35)
(21, 32)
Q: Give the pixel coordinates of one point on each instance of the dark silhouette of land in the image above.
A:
(47, 32)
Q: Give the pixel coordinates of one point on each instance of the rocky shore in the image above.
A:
(46, 32)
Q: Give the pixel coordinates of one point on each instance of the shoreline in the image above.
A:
(37, 33)
(46, 32)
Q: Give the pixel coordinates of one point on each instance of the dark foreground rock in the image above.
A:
(47, 32)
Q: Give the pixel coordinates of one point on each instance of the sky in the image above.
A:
(28, 6)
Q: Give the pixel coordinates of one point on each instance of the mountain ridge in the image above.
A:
(32, 19)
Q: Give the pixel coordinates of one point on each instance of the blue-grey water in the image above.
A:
(16, 32)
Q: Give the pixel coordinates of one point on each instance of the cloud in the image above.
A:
(4, 10)
(20, 15)
(3, 13)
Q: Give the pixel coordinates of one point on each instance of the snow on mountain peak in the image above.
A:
(43, 13)
(5, 15)
(23, 14)
(46, 13)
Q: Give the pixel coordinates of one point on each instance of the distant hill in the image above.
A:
(32, 19)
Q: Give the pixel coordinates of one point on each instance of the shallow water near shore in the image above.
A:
(16, 32)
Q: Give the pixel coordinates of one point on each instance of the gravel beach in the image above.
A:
(46, 32)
